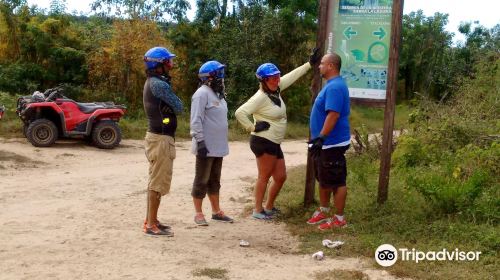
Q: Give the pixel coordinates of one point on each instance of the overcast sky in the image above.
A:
(458, 10)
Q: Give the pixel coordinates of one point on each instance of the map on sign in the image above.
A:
(359, 31)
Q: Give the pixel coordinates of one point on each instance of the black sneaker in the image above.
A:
(163, 226)
(159, 225)
(221, 217)
(155, 231)
(273, 212)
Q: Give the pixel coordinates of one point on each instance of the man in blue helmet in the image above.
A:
(268, 130)
(330, 134)
(209, 129)
(161, 106)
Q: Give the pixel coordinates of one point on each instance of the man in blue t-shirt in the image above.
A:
(330, 134)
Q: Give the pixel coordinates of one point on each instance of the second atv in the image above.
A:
(50, 115)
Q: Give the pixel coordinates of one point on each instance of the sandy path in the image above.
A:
(74, 212)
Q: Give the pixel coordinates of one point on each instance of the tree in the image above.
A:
(9, 48)
(48, 53)
(424, 59)
(155, 10)
(117, 66)
(57, 7)
(252, 34)
(478, 41)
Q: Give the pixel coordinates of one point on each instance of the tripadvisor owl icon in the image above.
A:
(386, 255)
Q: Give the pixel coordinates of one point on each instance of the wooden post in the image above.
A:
(315, 88)
(392, 81)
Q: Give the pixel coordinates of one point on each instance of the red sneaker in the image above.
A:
(317, 217)
(332, 223)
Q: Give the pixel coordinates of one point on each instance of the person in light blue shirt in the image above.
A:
(209, 129)
(330, 139)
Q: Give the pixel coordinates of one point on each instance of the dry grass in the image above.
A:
(212, 273)
(341, 274)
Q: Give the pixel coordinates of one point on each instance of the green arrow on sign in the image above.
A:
(358, 54)
(348, 32)
(380, 33)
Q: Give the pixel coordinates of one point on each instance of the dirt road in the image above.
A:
(73, 211)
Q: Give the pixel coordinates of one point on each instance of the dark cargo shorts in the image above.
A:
(330, 167)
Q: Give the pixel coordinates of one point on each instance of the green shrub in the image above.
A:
(21, 77)
(464, 183)
(10, 124)
(474, 156)
(410, 152)
(449, 195)
(451, 153)
(407, 219)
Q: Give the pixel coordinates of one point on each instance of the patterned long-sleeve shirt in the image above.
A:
(163, 91)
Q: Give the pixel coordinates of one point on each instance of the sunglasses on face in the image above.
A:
(275, 77)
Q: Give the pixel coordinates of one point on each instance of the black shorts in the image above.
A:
(260, 146)
(330, 167)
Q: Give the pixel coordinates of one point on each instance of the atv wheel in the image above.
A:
(42, 133)
(106, 135)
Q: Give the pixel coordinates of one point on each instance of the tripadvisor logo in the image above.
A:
(387, 255)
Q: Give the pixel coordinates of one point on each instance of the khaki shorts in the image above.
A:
(160, 152)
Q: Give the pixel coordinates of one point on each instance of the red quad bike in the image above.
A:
(50, 115)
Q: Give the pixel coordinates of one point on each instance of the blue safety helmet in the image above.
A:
(156, 56)
(212, 69)
(266, 70)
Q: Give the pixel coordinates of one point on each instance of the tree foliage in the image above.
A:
(430, 64)
(102, 54)
(425, 55)
(41, 52)
(143, 9)
(451, 153)
(251, 34)
(116, 67)
(9, 45)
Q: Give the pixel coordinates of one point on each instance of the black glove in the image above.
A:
(202, 149)
(261, 126)
(316, 145)
(315, 57)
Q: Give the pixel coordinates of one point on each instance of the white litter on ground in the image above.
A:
(244, 243)
(332, 244)
(318, 255)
